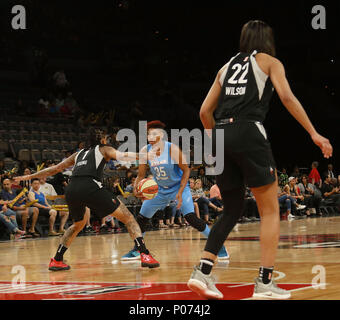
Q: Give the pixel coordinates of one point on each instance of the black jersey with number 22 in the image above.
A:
(246, 90)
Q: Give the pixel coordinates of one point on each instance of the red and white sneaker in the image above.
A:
(148, 261)
(58, 265)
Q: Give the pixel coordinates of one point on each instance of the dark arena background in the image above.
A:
(110, 64)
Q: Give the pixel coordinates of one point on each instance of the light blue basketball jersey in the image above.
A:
(166, 173)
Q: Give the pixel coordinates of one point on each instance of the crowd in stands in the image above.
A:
(42, 211)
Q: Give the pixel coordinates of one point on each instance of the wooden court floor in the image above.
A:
(307, 264)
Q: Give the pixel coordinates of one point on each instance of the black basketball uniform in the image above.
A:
(85, 188)
(242, 107)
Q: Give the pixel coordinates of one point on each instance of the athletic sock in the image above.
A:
(206, 231)
(60, 253)
(206, 266)
(265, 274)
(140, 245)
(135, 247)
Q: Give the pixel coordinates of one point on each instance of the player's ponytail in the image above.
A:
(257, 35)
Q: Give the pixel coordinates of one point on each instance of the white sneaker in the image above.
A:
(204, 285)
(300, 207)
(290, 217)
(270, 290)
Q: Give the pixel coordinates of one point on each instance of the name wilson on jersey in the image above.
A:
(232, 91)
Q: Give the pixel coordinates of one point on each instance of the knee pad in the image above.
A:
(143, 222)
(195, 222)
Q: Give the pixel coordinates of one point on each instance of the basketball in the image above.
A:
(149, 188)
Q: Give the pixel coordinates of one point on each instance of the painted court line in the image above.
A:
(293, 290)
(70, 298)
(160, 293)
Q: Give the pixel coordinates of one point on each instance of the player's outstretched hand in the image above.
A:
(21, 178)
(324, 144)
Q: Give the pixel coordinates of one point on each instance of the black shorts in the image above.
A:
(248, 158)
(85, 192)
(44, 212)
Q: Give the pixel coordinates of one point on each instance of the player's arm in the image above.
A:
(294, 107)
(70, 161)
(177, 155)
(210, 103)
(142, 170)
(112, 153)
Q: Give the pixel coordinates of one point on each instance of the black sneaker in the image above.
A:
(104, 229)
(89, 230)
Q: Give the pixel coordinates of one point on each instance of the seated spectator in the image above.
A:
(330, 172)
(311, 195)
(215, 196)
(129, 188)
(54, 109)
(192, 187)
(330, 192)
(80, 146)
(174, 212)
(8, 218)
(71, 104)
(296, 172)
(314, 175)
(203, 202)
(250, 207)
(288, 201)
(20, 209)
(15, 185)
(295, 193)
(283, 177)
(28, 183)
(64, 110)
(44, 208)
(22, 166)
(112, 185)
(44, 105)
(59, 102)
(61, 81)
(201, 172)
(48, 190)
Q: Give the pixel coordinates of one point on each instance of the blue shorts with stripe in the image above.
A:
(163, 198)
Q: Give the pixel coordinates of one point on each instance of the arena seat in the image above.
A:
(24, 155)
(36, 155)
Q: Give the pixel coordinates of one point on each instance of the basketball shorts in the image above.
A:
(44, 212)
(84, 192)
(163, 199)
(248, 158)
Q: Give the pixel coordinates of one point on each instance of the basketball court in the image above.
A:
(308, 249)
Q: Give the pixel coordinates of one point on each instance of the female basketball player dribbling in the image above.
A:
(85, 192)
(238, 102)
